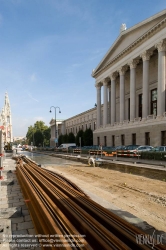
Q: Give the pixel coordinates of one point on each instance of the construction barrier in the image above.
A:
(99, 152)
(127, 153)
(77, 151)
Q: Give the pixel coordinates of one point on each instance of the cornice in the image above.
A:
(154, 30)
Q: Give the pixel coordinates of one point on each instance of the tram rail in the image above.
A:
(59, 208)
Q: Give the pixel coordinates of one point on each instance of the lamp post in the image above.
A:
(55, 119)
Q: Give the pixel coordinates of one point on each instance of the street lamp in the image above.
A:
(55, 119)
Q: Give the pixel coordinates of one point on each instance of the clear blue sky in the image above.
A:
(48, 49)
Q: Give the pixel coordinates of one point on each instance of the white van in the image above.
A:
(66, 145)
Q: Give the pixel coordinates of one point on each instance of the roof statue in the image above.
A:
(123, 27)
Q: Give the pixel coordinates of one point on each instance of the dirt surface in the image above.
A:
(145, 198)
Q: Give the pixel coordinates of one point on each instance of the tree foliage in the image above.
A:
(60, 140)
(71, 138)
(39, 138)
(38, 134)
(80, 134)
(88, 137)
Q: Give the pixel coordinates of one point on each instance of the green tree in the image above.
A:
(71, 137)
(60, 140)
(65, 138)
(80, 134)
(38, 137)
(40, 125)
(88, 137)
(30, 134)
(46, 136)
(44, 130)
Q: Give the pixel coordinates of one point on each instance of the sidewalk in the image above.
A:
(16, 225)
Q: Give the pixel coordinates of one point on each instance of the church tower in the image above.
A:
(6, 121)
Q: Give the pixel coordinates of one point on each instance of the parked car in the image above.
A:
(122, 147)
(131, 147)
(160, 149)
(142, 149)
(72, 147)
(109, 148)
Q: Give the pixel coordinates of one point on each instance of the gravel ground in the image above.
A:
(145, 198)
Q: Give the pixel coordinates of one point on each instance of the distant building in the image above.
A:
(19, 138)
(6, 121)
(58, 130)
(73, 124)
(81, 121)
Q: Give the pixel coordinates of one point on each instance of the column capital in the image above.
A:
(161, 46)
(105, 82)
(122, 70)
(113, 76)
(146, 55)
(98, 85)
(133, 63)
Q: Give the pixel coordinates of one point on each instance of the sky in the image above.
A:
(48, 49)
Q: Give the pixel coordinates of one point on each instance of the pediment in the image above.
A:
(52, 121)
(127, 38)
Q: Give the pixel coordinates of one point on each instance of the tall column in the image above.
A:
(113, 97)
(122, 71)
(105, 102)
(98, 87)
(145, 58)
(133, 65)
(161, 46)
(109, 89)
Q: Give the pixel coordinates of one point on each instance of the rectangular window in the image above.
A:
(122, 139)
(83, 127)
(154, 101)
(163, 138)
(90, 125)
(113, 140)
(98, 141)
(147, 138)
(94, 125)
(105, 141)
(134, 139)
(140, 105)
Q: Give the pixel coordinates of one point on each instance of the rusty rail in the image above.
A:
(57, 207)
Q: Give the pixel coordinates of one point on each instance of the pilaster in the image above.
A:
(145, 58)
(133, 65)
(161, 47)
(98, 88)
(122, 71)
(105, 102)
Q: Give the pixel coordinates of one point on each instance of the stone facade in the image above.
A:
(58, 130)
(81, 121)
(133, 77)
(6, 121)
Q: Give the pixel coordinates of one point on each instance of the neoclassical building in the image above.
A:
(132, 77)
(81, 121)
(73, 124)
(6, 121)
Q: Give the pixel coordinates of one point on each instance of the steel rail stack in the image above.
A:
(58, 208)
